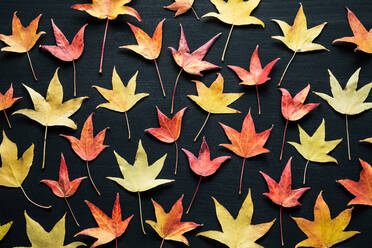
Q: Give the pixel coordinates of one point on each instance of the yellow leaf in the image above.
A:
(4, 229)
(238, 232)
(368, 140)
(39, 238)
(324, 231)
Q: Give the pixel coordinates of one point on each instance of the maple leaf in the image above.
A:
(6, 101)
(282, 193)
(64, 188)
(238, 232)
(66, 51)
(368, 140)
(88, 147)
(121, 98)
(324, 231)
(203, 165)
(23, 39)
(323, 147)
(169, 225)
(213, 100)
(14, 170)
(347, 101)
(169, 130)
(4, 229)
(109, 10)
(140, 176)
(191, 63)
(51, 111)
(108, 228)
(236, 13)
(293, 109)
(298, 37)
(247, 143)
(360, 189)
(256, 76)
(182, 6)
(40, 238)
(148, 47)
(362, 37)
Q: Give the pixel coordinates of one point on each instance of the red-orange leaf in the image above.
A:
(362, 190)
(256, 75)
(108, 228)
(182, 6)
(169, 130)
(247, 143)
(362, 37)
(6, 101)
(203, 165)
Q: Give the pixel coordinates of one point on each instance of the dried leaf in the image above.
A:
(256, 76)
(4, 229)
(121, 98)
(362, 37)
(324, 231)
(247, 143)
(51, 111)
(203, 165)
(108, 228)
(169, 225)
(213, 100)
(323, 147)
(182, 6)
(6, 101)
(23, 39)
(238, 232)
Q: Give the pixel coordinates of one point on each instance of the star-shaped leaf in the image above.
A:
(6, 101)
(4, 229)
(182, 6)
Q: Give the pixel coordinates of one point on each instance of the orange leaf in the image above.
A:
(108, 228)
(6, 101)
(181, 6)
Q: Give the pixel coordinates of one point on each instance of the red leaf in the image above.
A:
(7, 100)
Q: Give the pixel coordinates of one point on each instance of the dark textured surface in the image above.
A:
(307, 68)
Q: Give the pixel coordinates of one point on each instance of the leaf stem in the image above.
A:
(196, 15)
(174, 89)
(44, 149)
(32, 68)
(286, 68)
(72, 212)
(91, 179)
(128, 127)
(347, 137)
(162, 243)
(241, 177)
(140, 210)
(281, 225)
(258, 100)
(116, 242)
(29, 199)
(160, 80)
(175, 169)
(226, 44)
(307, 164)
(7, 119)
(201, 129)
(284, 134)
(73, 65)
(103, 45)
(193, 197)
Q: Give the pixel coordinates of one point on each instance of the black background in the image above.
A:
(307, 68)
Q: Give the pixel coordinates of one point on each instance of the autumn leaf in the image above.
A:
(293, 109)
(368, 140)
(108, 228)
(238, 232)
(182, 6)
(121, 98)
(51, 111)
(256, 75)
(140, 176)
(169, 130)
(109, 10)
(236, 13)
(14, 170)
(282, 193)
(213, 100)
(88, 147)
(4, 229)
(298, 37)
(40, 238)
(169, 225)
(64, 188)
(203, 165)
(362, 37)
(191, 63)
(148, 47)
(323, 147)
(65, 51)
(247, 143)
(324, 231)
(362, 189)
(6, 101)
(23, 39)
